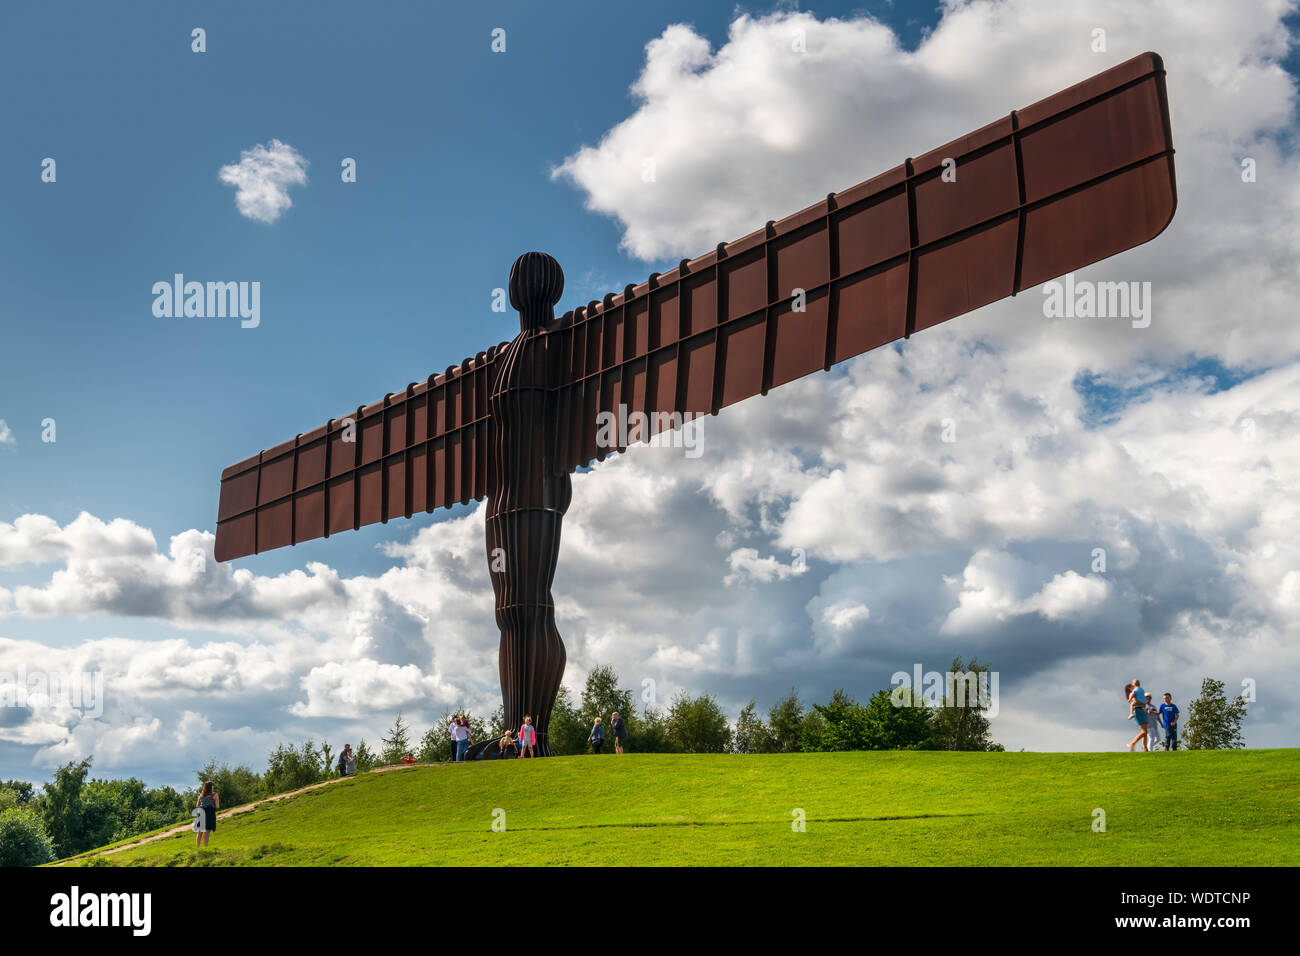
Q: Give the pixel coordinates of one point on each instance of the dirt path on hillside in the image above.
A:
(227, 814)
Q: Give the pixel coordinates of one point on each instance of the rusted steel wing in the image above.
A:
(419, 449)
(1070, 180)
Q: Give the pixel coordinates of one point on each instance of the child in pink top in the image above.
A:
(527, 738)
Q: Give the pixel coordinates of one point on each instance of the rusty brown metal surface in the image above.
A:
(1068, 181)
(423, 448)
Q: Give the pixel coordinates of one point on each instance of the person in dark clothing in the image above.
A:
(620, 732)
(597, 736)
(205, 809)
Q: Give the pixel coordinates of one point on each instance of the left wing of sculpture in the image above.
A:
(422, 448)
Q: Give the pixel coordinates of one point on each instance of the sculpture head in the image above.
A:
(536, 284)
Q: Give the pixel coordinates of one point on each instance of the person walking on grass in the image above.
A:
(620, 732)
(527, 739)
(1153, 723)
(347, 762)
(459, 732)
(206, 808)
(1137, 712)
(1169, 717)
(466, 738)
(597, 736)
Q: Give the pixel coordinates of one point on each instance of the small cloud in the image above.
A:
(842, 615)
(262, 178)
(6, 435)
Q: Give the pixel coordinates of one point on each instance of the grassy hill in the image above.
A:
(1209, 808)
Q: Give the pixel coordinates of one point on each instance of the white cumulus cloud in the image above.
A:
(262, 178)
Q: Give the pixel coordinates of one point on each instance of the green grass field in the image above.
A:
(1176, 809)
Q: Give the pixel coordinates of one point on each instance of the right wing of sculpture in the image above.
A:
(1068, 181)
(419, 449)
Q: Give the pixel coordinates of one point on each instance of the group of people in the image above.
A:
(524, 740)
(461, 737)
(1150, 718)
(597, 736)
(347, 761)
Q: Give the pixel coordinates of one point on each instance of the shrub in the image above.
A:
(23, 840)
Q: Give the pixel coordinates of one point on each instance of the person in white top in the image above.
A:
(460, 737)
(1153, 724)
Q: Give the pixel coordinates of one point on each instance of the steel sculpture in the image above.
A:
(1072, 179)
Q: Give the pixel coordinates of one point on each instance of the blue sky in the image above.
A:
(369, 285)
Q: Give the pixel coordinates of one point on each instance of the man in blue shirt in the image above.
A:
(1169, 718)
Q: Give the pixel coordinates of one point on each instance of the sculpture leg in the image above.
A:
(522, 549)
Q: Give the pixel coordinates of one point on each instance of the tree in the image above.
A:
(960, 723)
(365, 757)
(602, 696)
(697, 725)
(751, 736)
(24, 793)
(289, 768)
(569, 729)
(889, 726)
(1214, 722)
(61, 807)
(396, 745)
(327, 760)
(235, 785)
(785, 724)
(844, 724)
(162, 805)
(651, 733)
(837, 726)
(23, 840)
(110, 809)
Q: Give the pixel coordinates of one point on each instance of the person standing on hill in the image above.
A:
(460, 737)
(527, 738)
(597, 736)
(1153, 723)
(620, 731)
(345, 759)
(1169, 717)
(206, 807)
